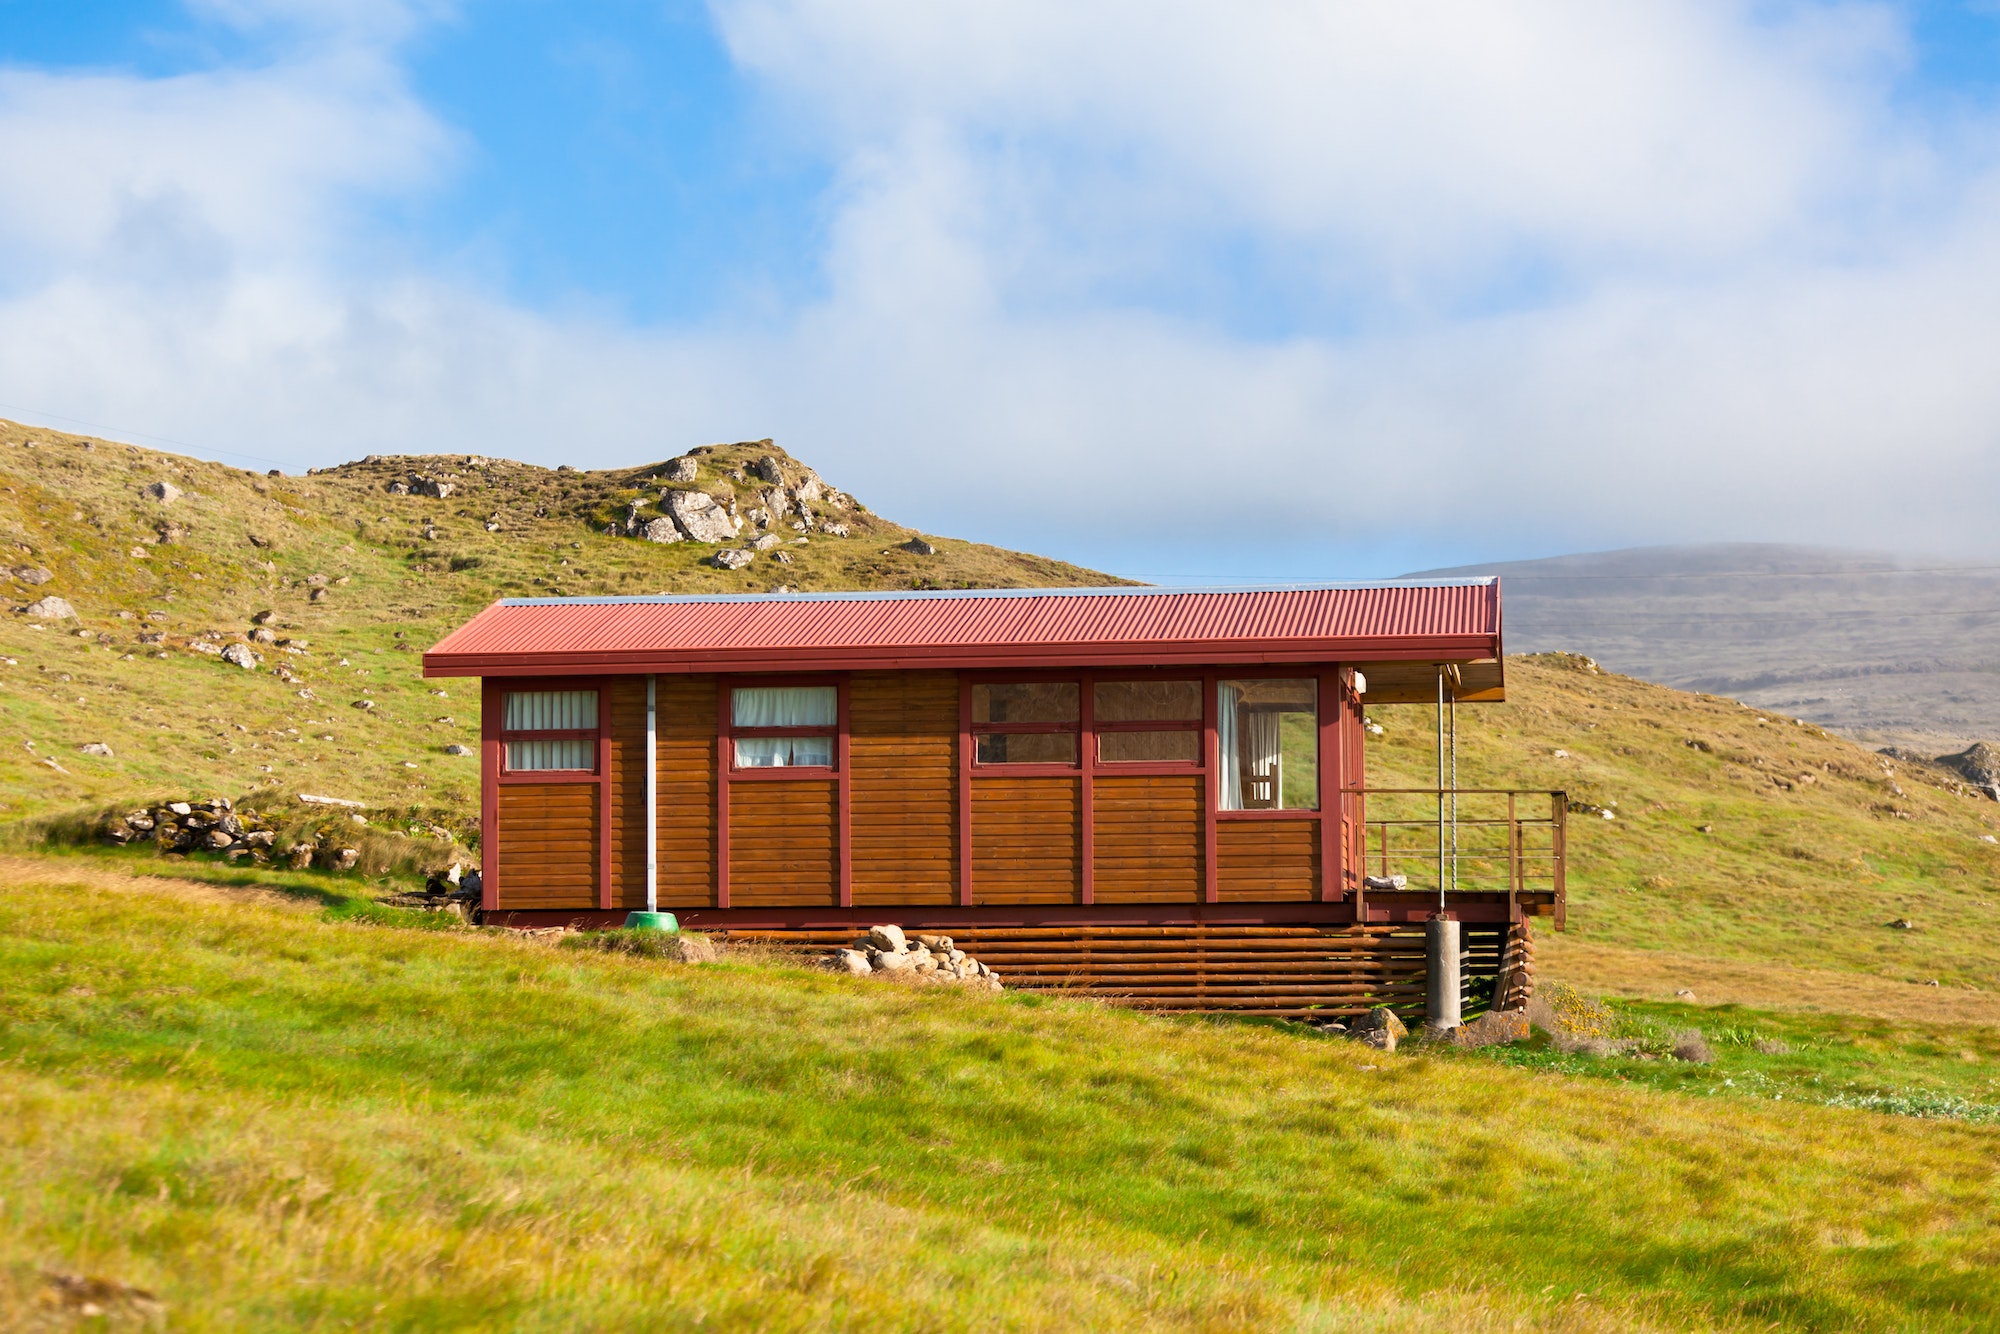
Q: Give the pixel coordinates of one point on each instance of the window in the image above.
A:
(550, 730)
(1026, 722)
(1268, 733)
(1147, 722)
(783, 727)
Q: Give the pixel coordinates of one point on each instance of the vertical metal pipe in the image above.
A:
(652, 795)
(1440, 787)
(1453, 706)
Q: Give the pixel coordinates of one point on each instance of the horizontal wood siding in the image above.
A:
(783, 843)
(1266, 860)
(903, 794)
(1147, 836)
(623, 716)
(548, 845)
(1281, 969)
(1025, 838)
(686, 724)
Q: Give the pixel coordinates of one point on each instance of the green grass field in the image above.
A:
(273, 1118)
(276, 1103)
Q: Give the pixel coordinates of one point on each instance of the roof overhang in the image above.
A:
(1396, 633)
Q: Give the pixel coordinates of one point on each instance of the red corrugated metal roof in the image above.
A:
(1444, 620)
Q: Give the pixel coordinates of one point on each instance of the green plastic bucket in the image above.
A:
(651, 921)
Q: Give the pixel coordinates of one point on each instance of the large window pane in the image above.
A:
(781, 752)
(573, 753)
(550, 711)
(1153, 747)
(1027, 702)
(785, 706)
(1268, 733)
(1146, 701)
(1027, 747)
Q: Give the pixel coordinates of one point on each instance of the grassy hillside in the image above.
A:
(216, 1097)
(392, 573)
(1744, 846)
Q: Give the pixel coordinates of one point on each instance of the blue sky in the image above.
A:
(1282, 291)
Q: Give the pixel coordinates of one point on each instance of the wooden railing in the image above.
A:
(1494, 840)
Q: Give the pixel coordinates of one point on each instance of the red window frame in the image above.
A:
(594, 735)
(1098, 729)
(1029, 769)
(835, 732)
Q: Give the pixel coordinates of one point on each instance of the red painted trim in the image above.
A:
(1134, 655)
(846, 779)
(1024, 770)
(1086, 814)
(539, 777)
(785, 773)
(964, 791)
(1234, 816)
(603, 809)
(1211, 756)
(723, 759)
(1163, 725)
(1409, 909)
(1141, 768)
(1332, 706)
(489, 795)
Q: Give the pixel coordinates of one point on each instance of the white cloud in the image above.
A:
(1548, 275)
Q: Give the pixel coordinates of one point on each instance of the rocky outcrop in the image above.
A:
(683, 469)
(662, 529)
(1978, 764)
(887, 952)
(701, 516)
(205, 826)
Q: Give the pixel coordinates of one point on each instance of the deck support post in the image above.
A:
(1441, 970)
(652, 794)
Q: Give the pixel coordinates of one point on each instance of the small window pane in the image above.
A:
(1268, 734)
(574, 753)
(785, 706)
(1147, 701)
(551, 711)
(1027, 747)
(783, 752)
(1027, 702)
(1153, 747)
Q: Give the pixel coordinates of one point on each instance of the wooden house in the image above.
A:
(1154, 794)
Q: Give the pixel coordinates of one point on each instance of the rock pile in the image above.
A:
(205, 826)
(455, 893)
(886, 952)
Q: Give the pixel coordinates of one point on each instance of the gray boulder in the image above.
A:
(241, 656)
(456, 749)
(730, 558)
(887, 938)
(661, 530)
(767, 541)
(683, 469)
(852, 962)
(164, 492)
(701, 516)
(50, 608)
(97, 748)
(769, 469)
(33, 574)
(918, 546)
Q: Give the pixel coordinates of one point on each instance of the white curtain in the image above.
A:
(551, 711)
(1267, 774)
(568, 753)
(1230, 698)
(784, 706)
(779, 752)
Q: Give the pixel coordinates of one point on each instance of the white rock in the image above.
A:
(701, 516)
(661, 530)
(889, 938)
(732, 558)
(852, 962)
(164, 492)
(683, 468)
(241, 656)
(95, 748)
(50, 608)
(889, 961)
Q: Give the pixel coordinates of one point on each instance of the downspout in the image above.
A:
(651, 918)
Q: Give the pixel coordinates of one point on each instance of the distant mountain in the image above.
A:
(1885, 649)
